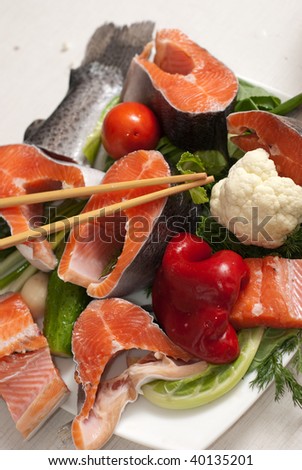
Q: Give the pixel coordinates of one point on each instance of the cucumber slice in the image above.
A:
(64, 303)
(211, 384)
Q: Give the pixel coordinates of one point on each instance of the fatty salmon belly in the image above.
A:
(279, 304)
(25, 169)
(114, 394)
(116, 255)
(32, 389)
(18, 332)
(190, 90)
(280, 136)
(105, 328)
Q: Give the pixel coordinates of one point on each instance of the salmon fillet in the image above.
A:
(272, 296)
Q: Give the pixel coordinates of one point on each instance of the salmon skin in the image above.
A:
(29, 382)
(91, 87)
(272, 296)
(133, 241)
(25, 169)
(105, 328)
(280, 136)
(191, 91)
(114, 394)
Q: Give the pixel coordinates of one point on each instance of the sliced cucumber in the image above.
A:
(211, 384)
(64, 303)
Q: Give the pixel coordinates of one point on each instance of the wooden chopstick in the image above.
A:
(59, 194)
(70, 222)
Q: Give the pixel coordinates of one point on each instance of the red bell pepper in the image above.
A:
(193, 294)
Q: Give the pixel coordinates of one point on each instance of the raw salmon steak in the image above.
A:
(272, 296)
(115, 255)
(29, 382)
(280, 136)
(190, 90)
(103, 329)
(24, 169)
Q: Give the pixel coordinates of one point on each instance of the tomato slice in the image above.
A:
(128, 127)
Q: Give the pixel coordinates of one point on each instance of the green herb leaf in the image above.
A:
(220, 238)
(271, 368)
(169, 151)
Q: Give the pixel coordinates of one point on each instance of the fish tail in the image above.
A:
(114, 45)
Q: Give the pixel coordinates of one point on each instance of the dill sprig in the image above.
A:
(272, 369)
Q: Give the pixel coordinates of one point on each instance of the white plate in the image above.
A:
(249, 37)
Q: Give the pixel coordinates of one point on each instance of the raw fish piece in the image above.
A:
(32, 388)
(133, 241)
(30, 384)
(190, 90)
(18, 332)
(114, 394)
(105, 328)
(25, 169)
(91, 87)
(280, 136)
(272, 297)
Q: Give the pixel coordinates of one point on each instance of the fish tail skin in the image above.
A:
(115, 45)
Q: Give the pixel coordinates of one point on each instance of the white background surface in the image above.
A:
(40, 40)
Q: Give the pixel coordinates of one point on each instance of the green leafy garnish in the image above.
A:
(251, 97)
(220, 238)
(268, 363)
(211, 162)
(169, 150)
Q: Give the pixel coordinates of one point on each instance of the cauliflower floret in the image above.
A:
(258, 206)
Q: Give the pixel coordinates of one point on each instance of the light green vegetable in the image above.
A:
(211, 384)
(64, 303)
(94, 139)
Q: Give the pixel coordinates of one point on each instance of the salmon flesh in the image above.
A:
(30, 383)
(272, 298)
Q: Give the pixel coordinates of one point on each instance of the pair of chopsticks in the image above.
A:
(195, 179)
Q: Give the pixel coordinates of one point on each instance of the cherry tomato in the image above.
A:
(128, 127)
